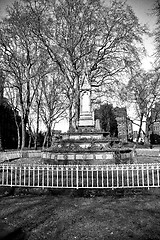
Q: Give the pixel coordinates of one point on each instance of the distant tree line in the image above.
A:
(108, 122)
(8, 128)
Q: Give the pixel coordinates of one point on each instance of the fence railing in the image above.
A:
(81, 176)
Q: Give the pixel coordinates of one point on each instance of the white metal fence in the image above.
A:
(81, 176)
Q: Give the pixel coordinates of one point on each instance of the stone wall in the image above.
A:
(11, 155)
(90, 158)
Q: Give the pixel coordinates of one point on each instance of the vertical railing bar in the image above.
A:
(158, 175)
(24, 172)
(67, 175)
(152, 175)
(132, 177)
(77, 169)
(92, 177)
(47, 169)
(29, 175)
(82, 170)
(107, 176)
(20, 175)
(122, 177)
(43, 177)
(112, 177)
(72, 176)
(3, 175)
(38, 176)
(52, 176)
(117, 177)
(62, 174)
(11, 175)
(137, 175)
(7, 175)
(15, 175)
(34, 175)
(87, 176)
(147, 176)
(102, 177)
(49, 175)
(127, 176)
(97, 177)
(57, 176)
(142, 176)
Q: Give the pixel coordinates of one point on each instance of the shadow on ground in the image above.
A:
(80, 214)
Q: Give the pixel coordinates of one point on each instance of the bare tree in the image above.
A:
(36, 111)
(156, 12)
(87, 37)
(21, 59)
(53, 105)
(144, 91)
(2, 80)
(11, 94)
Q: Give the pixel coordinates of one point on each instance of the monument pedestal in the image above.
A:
(86, 122)
(87, 144)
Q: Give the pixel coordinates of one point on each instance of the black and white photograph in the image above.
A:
(79, 119)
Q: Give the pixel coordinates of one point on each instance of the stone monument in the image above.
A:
(86, 115)
(88, 144)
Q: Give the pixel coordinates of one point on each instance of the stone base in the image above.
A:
(90, 158)
(85, 129)
(84, 133)
(83, 158)
(86, 120)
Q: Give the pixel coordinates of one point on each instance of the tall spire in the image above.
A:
(86, 85)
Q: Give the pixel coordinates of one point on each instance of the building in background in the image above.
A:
(154, 129)
(125, 128)
(155, 119)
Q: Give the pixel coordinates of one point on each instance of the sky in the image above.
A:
(142, 9)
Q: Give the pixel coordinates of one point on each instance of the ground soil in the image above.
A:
(111, 215)
(32, 214)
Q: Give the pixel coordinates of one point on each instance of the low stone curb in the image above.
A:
(11, 155)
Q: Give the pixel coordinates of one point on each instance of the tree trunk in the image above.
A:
(77, 105)
(30, 137)
(23, 133)
(146, 139)
(18, 135)
(70, 118)
(19, 138)
(140, 128)
(49, 137)
(45, 139)
(18, 130)
(37, 127)
(1, 146)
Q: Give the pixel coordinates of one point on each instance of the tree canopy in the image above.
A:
(66, 39)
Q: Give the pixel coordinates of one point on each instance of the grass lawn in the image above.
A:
(135, 216)
(38, 215)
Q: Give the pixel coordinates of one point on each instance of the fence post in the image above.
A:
(158, 175)
(11, 175)
(77, 175)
